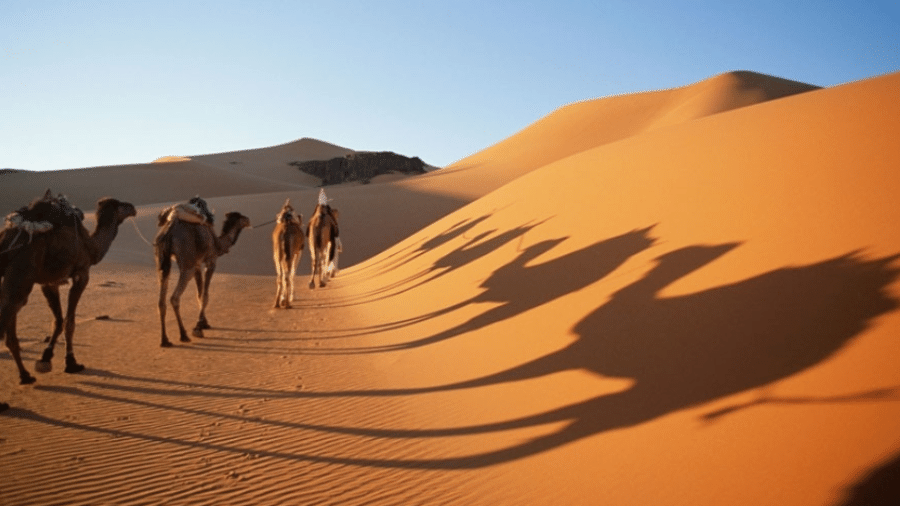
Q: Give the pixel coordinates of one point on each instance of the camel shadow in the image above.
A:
(680, 352)
(880, 486)
(519, 287)
(475, 248)
(688, 350)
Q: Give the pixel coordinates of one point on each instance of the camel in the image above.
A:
(322, 233)
(46, 244)
(186, 233)
(287, 244)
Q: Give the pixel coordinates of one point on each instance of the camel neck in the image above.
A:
(101, 240)
(227, 240)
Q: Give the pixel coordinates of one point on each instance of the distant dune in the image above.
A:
(169, 159)
(683, 296)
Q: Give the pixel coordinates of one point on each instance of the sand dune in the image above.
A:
(178, 178)
(686, 296)
(589, 124)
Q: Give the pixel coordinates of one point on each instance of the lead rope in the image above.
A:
(264, 224)
(136, 229)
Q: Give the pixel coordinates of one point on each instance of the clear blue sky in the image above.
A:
(92, 83)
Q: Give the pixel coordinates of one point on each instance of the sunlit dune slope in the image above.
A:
(282, 154)
(584, 125)
(723, 293)
(275, 162)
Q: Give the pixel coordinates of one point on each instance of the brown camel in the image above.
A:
(46, 244)
(322, 234)
(287, 244)
(186, 233)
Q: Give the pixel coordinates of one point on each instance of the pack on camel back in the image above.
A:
(195, 210)
(42, 215)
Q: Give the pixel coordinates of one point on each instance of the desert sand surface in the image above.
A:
(684, 296)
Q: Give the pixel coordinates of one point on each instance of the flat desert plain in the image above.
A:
(678, 297)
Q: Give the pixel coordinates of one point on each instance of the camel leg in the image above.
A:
(314, 264)
(8, 312)
(292, 271)
(79, 283)
(198, 329)
(51, 293)
(203, 282)
(323, 265)
(338, 248)
(184, 278)
(163, 288)
(278, 283)
(12, 343)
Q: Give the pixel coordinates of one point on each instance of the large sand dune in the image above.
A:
(685, 296)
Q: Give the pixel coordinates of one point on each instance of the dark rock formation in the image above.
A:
(361, 166)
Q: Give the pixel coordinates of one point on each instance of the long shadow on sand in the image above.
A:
(517, 286)
(681, 352)
(475, 248)
(880, 486)
(688, 350)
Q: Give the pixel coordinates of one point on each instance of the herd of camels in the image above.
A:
(46, 243)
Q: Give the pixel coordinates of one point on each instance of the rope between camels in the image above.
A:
(264, 224)
(136, 229)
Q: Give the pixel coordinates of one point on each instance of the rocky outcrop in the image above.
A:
(360, 166)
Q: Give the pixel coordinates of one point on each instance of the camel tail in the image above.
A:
(163, 249)
(286, 247)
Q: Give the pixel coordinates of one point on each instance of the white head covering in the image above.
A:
(323, 200)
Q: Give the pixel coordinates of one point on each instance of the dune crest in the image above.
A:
(169, 159)
(592, 123)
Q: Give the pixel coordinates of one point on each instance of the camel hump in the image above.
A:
(45, 213)
(189, 213)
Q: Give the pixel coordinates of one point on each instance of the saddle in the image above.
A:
(194, 211)
(43, 214)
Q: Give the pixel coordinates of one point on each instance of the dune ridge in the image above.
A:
(685, 296)
(591, 123)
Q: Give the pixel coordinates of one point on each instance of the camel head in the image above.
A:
(231, 229)
(288, 213)
(235, 220)
(111, 211)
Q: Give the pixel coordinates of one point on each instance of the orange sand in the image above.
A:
(686, 296)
